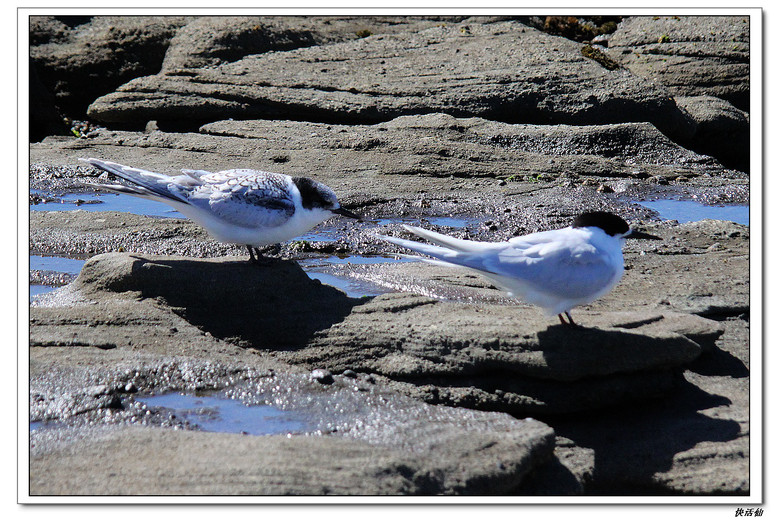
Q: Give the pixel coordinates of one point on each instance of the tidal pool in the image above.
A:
(691, 211)
(219, 414)
(105, 202)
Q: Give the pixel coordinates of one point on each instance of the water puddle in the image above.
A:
(691, 211)
(104, 202)
(223, 415)
(354, 259)
(59, 264)
(322, 269)
(38, 290)
(52, 264)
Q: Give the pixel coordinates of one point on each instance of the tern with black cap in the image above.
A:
(247, 207)
(556, 270)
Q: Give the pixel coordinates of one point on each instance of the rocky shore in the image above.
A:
(432, 381)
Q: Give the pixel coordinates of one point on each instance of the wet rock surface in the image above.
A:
(424, 379)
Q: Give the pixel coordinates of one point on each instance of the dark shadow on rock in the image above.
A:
(718, 362)
(275, 306)
(539, 398)
(633, 443)
(551, 479)
(583, 350)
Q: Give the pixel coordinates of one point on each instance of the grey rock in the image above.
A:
(287, 306)
(90, 59)
(413, 339)
(151, 461)
(722, 130)
(500, 72)
(691, 55)
(427, 146)
(322, 376)
(373, 441)
(208, 41)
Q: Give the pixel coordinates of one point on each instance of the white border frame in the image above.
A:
(757, 464)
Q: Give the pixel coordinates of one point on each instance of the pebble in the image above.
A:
(322, 376)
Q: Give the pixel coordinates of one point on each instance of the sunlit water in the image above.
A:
(106, 202)
(691, 211)
(218, 414)
(353, 288)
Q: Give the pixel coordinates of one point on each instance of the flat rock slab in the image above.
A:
(359, 437)
(513, 353)
(408, 336)
(691, 55)
(492, 70)
(144, 461)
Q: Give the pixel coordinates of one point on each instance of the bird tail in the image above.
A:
(145, 184)
(443, 254)
(456, 244)
(449, 251)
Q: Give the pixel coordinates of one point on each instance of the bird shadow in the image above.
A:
(573, 352)
(274, 306)
(633, 443)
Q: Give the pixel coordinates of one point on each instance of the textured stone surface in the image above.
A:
(492, 70)
(156, 324)
(691, 55)
(80, 59)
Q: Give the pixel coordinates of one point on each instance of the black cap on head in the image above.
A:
(315, 194)
(609, 222)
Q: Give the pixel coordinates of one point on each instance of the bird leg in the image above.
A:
(571, 320)
(570, 323)
(256, 257)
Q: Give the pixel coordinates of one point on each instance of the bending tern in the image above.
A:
(555, 270)
(248, 207)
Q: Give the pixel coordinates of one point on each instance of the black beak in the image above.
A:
(633, 233)
(345, 213)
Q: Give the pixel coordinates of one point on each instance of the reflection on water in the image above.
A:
(317, 269)
(105, 202)
(692, 211)
(217, 414)
(58, 264)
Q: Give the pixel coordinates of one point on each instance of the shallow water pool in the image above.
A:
(58, 264)
(692, 211)
(316, 269)
(105, 202)
(219, 414)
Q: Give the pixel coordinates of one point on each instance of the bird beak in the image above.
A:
(633, 233)
(345, 213)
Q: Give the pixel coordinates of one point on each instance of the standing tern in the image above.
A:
(247, 207)
(556, 270)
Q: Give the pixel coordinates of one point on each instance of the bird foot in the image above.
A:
(256, 257)
(569, 323)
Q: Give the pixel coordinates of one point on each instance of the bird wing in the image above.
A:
(567, 269)
(247, 198)
(150, 185)
(540, 262)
